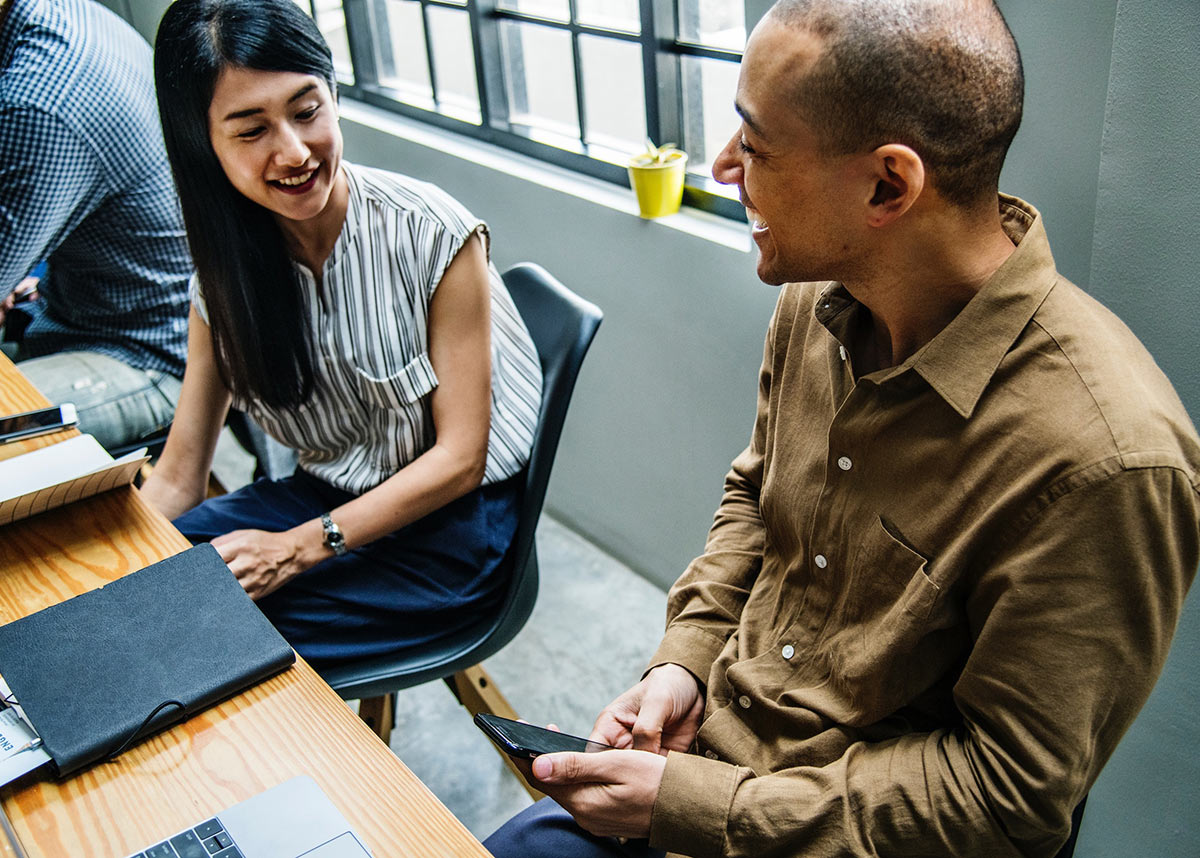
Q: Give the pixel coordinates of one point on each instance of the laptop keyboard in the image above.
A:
(206, 840)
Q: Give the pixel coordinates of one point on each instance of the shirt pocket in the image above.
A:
(412, 383)
(889, 577)
(875, 650)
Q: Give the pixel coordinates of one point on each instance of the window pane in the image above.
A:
(613, 93)
(709, 119)
(614, 14)
(331, 21)
(541, 80)
(558, 10)
(454, 63)
(714, 23)
(401, 50)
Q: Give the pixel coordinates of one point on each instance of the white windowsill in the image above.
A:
(709, 227)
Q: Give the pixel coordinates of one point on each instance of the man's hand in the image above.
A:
(661, 713)
(609, 793)
(261, 560)
(26, 290)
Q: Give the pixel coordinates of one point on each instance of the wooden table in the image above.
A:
(291, 724)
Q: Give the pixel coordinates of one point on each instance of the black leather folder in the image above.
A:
(99, 672)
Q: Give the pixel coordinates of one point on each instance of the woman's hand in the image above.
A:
(263, 561)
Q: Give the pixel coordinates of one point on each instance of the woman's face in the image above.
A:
(277, 138)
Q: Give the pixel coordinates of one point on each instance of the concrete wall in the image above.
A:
(1145, 259)
(142, 14)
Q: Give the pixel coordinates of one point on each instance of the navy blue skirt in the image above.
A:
(403, 591)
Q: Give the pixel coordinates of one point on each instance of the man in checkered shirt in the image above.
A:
(85, 186)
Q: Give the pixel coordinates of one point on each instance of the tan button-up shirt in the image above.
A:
(934, 596)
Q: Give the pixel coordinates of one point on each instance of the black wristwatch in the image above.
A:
(334, 539)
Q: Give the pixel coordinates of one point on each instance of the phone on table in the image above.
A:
(14, 427)
(527, 741)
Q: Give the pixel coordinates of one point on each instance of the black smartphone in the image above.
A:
(13, 427)
(527, 741)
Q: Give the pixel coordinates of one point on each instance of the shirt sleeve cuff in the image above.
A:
(691, 813)
(691, 648)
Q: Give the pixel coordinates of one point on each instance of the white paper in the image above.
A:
(16, 735)
(60, 474)
(48, 466)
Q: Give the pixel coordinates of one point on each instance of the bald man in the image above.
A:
(946, 570)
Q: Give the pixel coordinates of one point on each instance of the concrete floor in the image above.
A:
(595, 625)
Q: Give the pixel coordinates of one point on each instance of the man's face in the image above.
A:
(799, 201)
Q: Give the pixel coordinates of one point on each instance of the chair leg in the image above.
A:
(379, 713)
(477, 693)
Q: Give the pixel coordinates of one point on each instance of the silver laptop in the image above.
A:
(292, 820)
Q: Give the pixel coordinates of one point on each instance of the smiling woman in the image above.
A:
(276, 133)
(355, 315)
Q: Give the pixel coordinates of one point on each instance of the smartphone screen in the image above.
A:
(526, 740)
(16, 426)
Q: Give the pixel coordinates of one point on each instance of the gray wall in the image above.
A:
(1108, 153)
(1144, 263)
(142, 14)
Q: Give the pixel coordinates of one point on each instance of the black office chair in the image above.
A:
(562, 326)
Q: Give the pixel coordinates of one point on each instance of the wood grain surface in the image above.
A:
(291, 724)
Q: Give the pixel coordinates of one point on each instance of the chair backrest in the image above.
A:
(562, 326)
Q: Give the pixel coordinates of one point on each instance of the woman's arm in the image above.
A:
(460, 351)
(180, 478)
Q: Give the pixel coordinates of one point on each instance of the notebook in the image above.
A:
(290, 820)
(97, 673)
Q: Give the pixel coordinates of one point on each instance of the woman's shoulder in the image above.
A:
(385, 190)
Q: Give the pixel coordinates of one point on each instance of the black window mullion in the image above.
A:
(574, 26)
(577, 61)
(489, 64)
(358, 34)
(688, 49)
(433, 86)
(660, 69)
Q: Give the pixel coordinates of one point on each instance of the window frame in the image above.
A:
(662, 53)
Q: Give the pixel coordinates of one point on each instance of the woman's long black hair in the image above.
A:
(256, 303)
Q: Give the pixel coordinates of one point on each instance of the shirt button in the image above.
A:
(788, 651)
(820, 561)
(842, 352)
(744, 702)
(712, 755)
(844, 463)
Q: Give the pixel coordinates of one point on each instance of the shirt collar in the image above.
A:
(960, 361)
(348, 236)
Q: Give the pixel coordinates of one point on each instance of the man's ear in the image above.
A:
(899, 178)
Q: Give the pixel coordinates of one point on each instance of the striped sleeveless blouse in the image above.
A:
(370, 413)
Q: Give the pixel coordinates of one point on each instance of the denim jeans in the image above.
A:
(117, 403)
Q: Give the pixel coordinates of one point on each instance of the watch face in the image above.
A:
(333, 535)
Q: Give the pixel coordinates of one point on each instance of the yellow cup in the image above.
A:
(659, 187)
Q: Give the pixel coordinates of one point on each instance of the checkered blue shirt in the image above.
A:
(84, 183)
